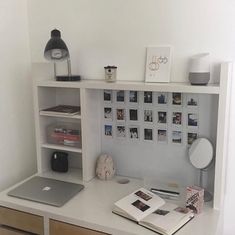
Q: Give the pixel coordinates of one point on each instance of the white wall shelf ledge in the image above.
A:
(140, 86)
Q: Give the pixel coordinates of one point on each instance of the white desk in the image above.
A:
(92, 208)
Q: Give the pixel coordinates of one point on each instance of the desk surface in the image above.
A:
(92, 208)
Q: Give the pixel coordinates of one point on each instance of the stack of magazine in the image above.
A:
(152, 212)
(61, 110)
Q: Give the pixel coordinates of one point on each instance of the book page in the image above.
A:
(168, 218)
(140, 203)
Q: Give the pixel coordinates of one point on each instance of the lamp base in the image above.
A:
(66, 78)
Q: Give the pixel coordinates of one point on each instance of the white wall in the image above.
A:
(102, 32)
(17, 147)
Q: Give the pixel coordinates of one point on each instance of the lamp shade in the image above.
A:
(56, 49)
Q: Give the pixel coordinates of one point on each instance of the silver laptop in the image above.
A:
(48, 191)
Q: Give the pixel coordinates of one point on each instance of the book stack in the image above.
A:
(61, 110)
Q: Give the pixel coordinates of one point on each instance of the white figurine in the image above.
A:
(105, 169)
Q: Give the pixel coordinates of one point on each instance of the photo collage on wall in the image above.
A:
(151, 116)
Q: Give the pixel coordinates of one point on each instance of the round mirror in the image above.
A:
(201, 153)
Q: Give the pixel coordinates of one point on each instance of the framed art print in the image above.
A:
(158, 64)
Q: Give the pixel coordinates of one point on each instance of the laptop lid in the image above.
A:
(48, 191)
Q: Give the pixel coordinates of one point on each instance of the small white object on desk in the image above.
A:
(105, 169)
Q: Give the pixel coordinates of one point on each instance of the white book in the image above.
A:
(152, 212)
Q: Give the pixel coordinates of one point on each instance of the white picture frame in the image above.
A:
(158, 64)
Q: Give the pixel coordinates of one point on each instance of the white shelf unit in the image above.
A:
(90, 99)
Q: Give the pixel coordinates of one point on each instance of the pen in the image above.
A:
(163, 191)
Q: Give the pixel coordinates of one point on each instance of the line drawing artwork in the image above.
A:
(154, 65)
(158, 64)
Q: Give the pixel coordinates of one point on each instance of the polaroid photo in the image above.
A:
(133, 114)
(120, 131)
(148, 115)
(177, 137)
(143, 195)
(148, 134)
(140, 205)
(176, 98)
(191, 137)
(120, 114)
(134, 133)
(108, 114)
(162, 98)
(108, 131)
(120, 96)
(183, 210)
(162, 117)
(161, 212)
(108, 96)
(192, 119)
(192, 100)
(177, 118)
(148, 97)
(162, 136)
(133, 97)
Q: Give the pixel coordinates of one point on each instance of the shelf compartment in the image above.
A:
(62, 147)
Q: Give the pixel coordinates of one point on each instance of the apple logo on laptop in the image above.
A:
(46, 188)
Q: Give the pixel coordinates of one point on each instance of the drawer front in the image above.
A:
(9, 231)
(60, 228)
(21, 220)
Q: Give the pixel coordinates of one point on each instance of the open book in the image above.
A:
(151, 211)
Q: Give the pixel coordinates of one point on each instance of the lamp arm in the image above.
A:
(55, 73)
(69, 67)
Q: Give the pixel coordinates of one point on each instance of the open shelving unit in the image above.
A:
(88, 95)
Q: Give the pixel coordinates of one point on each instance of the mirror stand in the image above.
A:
(207, 195)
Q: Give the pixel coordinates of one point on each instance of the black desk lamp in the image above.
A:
(56, 50)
